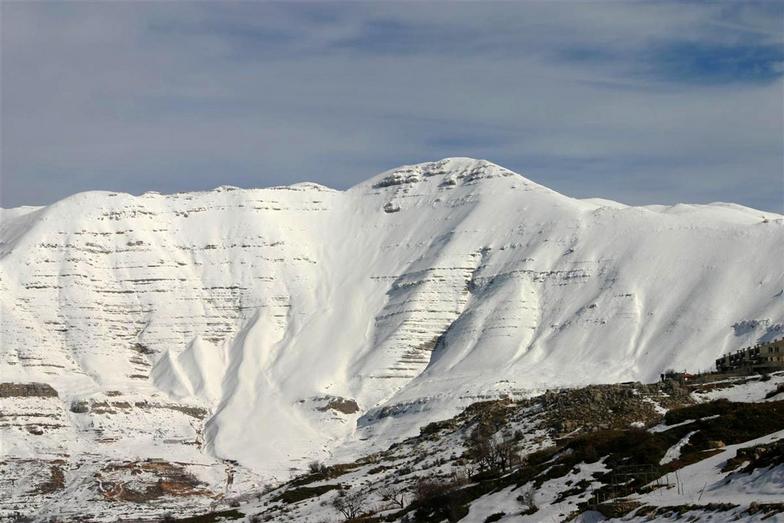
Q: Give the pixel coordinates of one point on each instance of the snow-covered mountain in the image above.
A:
(304, 322)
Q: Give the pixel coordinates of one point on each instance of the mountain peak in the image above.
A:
(446, 172)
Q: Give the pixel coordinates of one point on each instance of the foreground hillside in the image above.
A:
(632, 452)
(226, 339)
(709, 451)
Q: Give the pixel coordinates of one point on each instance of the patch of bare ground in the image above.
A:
(142, 481)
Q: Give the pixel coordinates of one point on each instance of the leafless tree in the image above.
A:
(492, 452)
(394, 495)
(350, 505)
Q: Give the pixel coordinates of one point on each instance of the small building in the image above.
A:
(768, 355)
(680, 377)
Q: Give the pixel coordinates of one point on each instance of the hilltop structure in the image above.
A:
(761, 356)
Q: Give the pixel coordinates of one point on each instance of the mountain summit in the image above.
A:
(274, 326)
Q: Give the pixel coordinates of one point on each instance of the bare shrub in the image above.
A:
(528, 499)
(427, 488)
(317, 467)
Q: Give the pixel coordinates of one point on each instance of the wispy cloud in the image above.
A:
(642, 102)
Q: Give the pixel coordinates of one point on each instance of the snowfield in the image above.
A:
(303, 322)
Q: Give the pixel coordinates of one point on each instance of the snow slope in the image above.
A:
(416, 292)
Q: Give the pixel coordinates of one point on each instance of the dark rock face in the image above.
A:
(343, 405)
(79, 407)
(27, 390)
(759, 456)
(56, 480)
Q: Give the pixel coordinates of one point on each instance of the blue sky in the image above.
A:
(650, 102)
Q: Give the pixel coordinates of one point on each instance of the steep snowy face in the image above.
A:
(307, 320)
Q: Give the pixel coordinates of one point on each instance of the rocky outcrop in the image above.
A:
(27, 390)
(342, 405)
(604, 407)
(145, 481)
